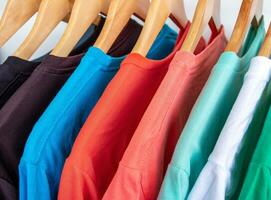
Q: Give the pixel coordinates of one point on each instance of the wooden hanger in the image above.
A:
(158, 13)
(250, 13)
(266, 47)
(15, 15)
(205, 11)
(50, 13)
(83, 15)
(120, 11)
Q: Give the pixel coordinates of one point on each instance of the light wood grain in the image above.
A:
(249, 10)
(15, 15)
(50, 13)
(157, 15)
(120, 11)
(205, 11)
(83, 14)
(266, 47)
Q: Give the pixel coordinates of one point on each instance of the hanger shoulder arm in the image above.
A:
(120, 11)
(205, 10)
(266, 47)
(249, 9)
(156, 18)
(83, 14)
(50, 13)
(157, 15)
(15, 15)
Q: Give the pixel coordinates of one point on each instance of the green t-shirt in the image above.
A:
(257, 184)
(248, 146)
(208, 118)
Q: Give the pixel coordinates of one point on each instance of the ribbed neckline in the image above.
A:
(214, 47)
(58, 65)
(106, 60)
(251, 48)
(21, 65)
(144, 62)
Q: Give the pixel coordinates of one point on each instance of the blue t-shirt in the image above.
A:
(52, 137)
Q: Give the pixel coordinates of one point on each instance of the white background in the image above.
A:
(229, 12)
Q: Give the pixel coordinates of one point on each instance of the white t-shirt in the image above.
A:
(215, 178)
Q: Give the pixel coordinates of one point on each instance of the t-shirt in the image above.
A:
(257, 184)
(207, 118)
(22, 110)
(52, 137)
(15, 71)
(109, 128)
(219, 178)
(143, 166)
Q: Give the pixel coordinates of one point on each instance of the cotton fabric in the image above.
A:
(257, 181)
(52, 137)
(109, 128)
(217, 179)
(207, 118)
(15, 71)
(23, 109)
(144, 163)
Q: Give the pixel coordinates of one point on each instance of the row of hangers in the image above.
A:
(80, 14)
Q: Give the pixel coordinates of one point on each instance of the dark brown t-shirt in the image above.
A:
(15, 71)
(23, 109)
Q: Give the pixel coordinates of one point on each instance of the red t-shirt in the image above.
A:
(143, 166)
(107, 132)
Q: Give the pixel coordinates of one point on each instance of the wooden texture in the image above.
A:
(15, 15)
(83, 15)
(266, 47)
(120, 11)
(205, 11)
(50, 13)
(157, 15)
(248, 11)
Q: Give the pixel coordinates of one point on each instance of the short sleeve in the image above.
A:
(175, 184)
(211, 183)
(126, 184)
(7, 190)
(257, 184)
(76, 184)
(34, 182)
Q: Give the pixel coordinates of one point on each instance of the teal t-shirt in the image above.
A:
(208, 118)
(52, 137)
